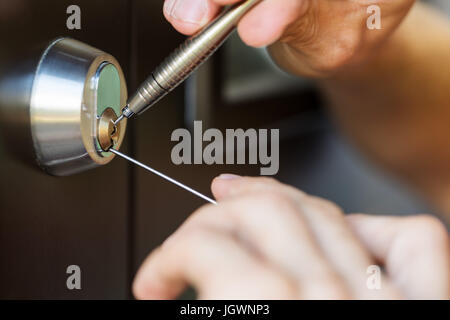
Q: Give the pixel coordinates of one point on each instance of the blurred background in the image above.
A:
(108, 219)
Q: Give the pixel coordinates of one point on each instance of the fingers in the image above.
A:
(268, 240)
(270, 222)
(260, 27)
(214, 263)
(322, 220)
(343, 249)
(415, 251)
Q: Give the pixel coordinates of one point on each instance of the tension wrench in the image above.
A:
(186, 59)
(162, 175)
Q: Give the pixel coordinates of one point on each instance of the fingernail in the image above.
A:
(192, 11)
(228, 176)
(168, 6)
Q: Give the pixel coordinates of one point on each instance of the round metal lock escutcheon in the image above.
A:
(75, 89)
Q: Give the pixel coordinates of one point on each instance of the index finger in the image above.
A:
(214, 263)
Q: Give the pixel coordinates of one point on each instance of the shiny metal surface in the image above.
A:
(186, 59)
(63, 107)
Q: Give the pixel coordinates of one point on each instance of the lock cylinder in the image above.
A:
(77, 90)
(108, 131)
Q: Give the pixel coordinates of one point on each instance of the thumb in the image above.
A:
(414, 250)
(189, 16)
(221, 186)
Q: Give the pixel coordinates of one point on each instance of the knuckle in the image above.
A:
(268, 202)
(428, 227)
(327, 207)
(335, 59)
(275, 198)
(340, 54)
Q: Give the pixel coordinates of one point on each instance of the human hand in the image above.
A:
(267, 240)
(308, 37)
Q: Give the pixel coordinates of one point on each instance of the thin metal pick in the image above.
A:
(118, 120)
(162, 175)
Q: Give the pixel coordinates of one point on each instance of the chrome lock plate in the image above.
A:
(75, 87)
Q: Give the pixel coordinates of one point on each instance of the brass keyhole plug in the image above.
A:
(108, 132)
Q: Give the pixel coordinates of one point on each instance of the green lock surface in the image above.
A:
(108, 93)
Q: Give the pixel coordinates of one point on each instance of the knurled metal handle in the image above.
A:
(188, 57)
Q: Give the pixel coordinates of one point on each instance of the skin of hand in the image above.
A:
(387, 89)
(395, 107)
(267, 240)
(308, 37)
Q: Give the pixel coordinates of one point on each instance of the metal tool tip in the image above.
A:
(119, 119)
